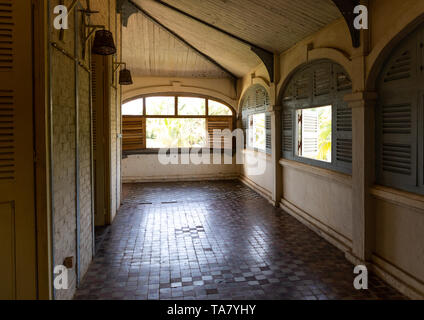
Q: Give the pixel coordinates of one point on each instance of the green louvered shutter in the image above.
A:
(400, 89)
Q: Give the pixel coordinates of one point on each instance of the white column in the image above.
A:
(276, 154)
(363, 174)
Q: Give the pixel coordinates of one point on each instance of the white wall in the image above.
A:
(263, 183)
(321, 198)
(147, 168)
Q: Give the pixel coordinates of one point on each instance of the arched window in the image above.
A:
(173, 121)
(316, 121)
(256, 120)
(399, 117)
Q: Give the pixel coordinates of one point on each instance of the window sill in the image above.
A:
(401, 198)
(341, 178)
(156, 151)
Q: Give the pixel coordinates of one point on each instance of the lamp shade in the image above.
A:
(125, 78)
(103, 43)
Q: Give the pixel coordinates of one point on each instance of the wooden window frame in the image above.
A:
(144, 117)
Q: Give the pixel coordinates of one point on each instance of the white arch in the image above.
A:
(178, 89)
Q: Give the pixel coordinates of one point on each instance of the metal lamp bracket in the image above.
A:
(89, 31)
(71, 8)
(118, 64)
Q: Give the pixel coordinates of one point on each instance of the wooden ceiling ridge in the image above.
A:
(124, 8)
(266, 56)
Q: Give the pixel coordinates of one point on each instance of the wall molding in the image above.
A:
(397, 278)
(400, 198)
(178, 178)
(333, 176)
(336, 239)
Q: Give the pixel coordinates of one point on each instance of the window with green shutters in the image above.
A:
(399, 117)
(318, 84)
(256, 101)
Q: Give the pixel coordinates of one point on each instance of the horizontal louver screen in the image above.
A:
(322, 82)
(287, 131)
(302, 87)
(6, 36)
(257, 101)
(400, 68)
(221, 124)
(397, 158)
(344, 118)
(397, 119)
(344, 150)
(134, 131)
(7, 141)
(268, 124)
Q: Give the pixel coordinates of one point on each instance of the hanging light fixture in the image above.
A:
(103, 43)
(125, 78)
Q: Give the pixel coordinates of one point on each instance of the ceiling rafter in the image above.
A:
(266, 56)
(128, 7)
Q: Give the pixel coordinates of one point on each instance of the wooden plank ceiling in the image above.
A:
(274, 25)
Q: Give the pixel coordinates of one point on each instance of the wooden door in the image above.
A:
(17, 205)
(101, 75)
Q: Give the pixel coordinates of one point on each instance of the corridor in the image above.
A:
(216, 240)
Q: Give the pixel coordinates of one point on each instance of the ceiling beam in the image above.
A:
(266, 56)
(346, 7)
(180, 38)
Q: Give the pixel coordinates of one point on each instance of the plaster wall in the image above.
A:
(322, 200)
(397, 230)
(147, 168)
(260, 182)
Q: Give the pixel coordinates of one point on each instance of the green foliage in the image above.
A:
(176, 133)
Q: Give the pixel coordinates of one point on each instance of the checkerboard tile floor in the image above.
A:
(216, 240)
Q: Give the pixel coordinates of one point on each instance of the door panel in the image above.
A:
(101, 141)
(17, 211)
(7, 251)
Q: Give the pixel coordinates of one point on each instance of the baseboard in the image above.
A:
(339, 241)
(254, 186)
(181, 178)
(397, 278)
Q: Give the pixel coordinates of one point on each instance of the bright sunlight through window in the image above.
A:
(218, 109)
(160, 106)
(191, 106)
(257, 132)
(133, 108)
(155, 122)
(314, 133)
(176, 133)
